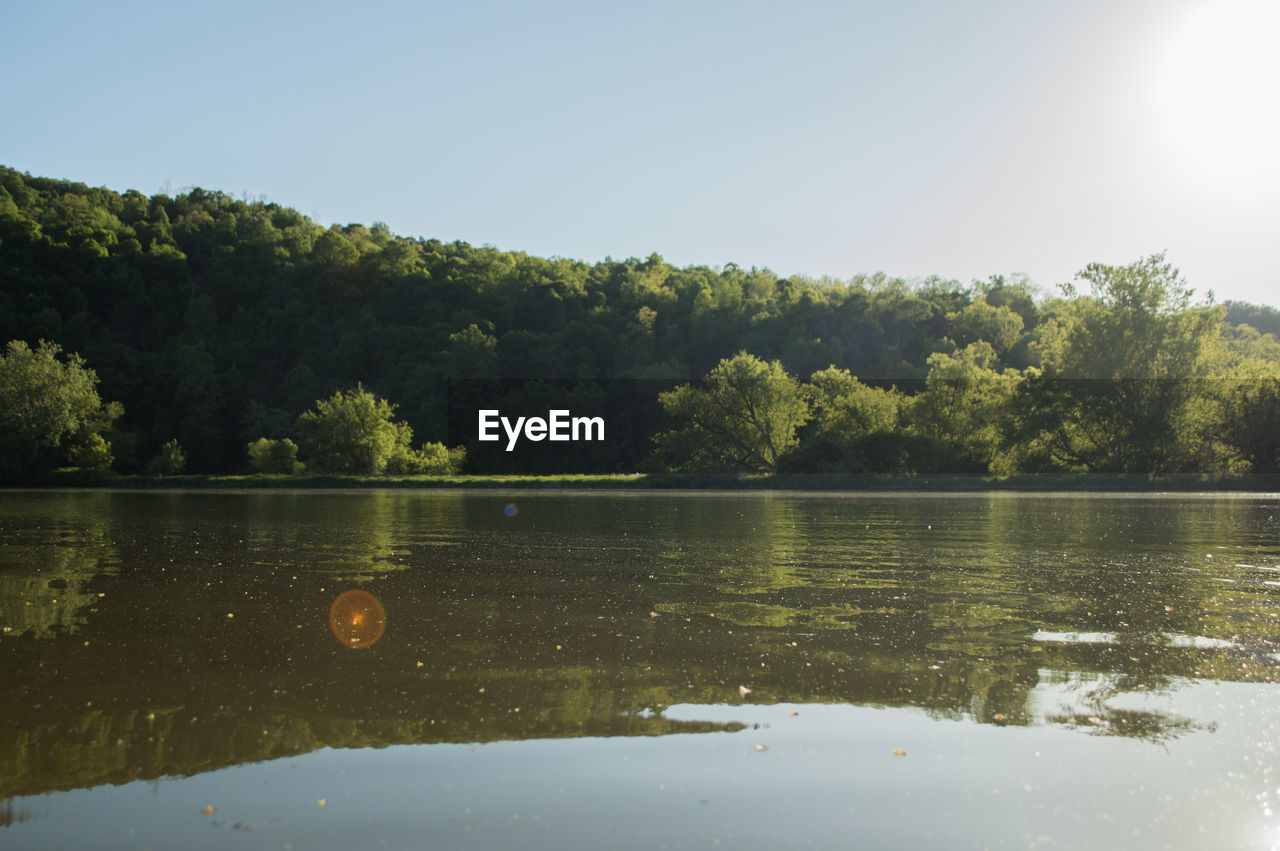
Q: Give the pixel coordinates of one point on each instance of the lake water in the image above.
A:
(524, 670)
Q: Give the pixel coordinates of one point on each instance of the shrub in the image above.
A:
(169, 461)
(431, 459)
(274, 456)
(94, 454)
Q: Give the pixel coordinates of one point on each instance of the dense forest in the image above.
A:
(212, 323)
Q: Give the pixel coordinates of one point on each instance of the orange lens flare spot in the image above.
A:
(356, 619)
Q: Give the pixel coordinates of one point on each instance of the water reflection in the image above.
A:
(10, 815)
(50, 557)
(596, 614)
(1088, 702)
(357, 619)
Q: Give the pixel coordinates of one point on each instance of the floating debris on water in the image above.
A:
(899, 752)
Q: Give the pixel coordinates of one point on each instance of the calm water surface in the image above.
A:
(538, 670)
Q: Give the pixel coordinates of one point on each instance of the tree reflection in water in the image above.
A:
(590, 615)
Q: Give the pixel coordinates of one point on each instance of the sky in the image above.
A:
(916, 138)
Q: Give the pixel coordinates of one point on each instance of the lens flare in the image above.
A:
(357, 619)
(511, 510)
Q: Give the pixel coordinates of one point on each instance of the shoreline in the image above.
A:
(1092, 482)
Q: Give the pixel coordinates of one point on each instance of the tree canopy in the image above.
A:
(355, 432)
(743, 417)
(50, 411)
(219, 321)
(352, 432)
(1122, 388)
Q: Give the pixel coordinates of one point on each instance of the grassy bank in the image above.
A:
(678, 481)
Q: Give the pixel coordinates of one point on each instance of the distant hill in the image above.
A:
(1262, 317)
(218, 321)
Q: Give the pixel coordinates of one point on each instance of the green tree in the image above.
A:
(844, 404)
(93, 454)
(171, 460)
(473, 353)
(1249, 420)
(1246, 422)
(353, 432)
(743, 417)
(845, 412)
(274, 456)
(1120, 391)
(998, 325)
(1016, 293)
(964, 401)
(356, 433)
(430, 459)
(49, 410)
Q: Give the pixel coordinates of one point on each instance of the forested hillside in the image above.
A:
(216, 322)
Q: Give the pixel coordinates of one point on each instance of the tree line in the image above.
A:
(1131, 378)
(212, 324)
(52, 416)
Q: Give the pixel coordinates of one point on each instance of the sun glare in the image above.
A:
(1218, 86)
(357, 619)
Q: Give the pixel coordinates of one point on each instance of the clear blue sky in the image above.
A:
(821, 138)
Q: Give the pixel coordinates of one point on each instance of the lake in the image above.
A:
(443, 669)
